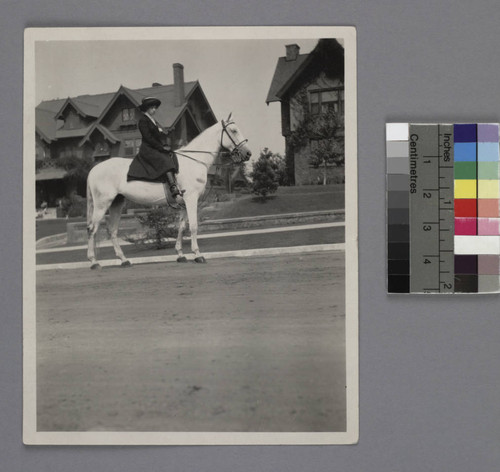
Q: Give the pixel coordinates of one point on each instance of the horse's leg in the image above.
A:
(192, 213)
(180, 234)
(91, 247)
(115, 212)
(97, 215)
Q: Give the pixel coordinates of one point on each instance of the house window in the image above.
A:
(322, 100)
(132, 146)
(72, 120)
(128, 114)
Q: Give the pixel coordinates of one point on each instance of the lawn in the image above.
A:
(285, 200)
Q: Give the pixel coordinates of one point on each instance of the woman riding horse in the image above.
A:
(155, 161)
(108, 186)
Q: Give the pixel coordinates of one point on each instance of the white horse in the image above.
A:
(107, 187)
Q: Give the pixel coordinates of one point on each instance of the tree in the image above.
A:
(264, 174)
(323, 133)
(279, 164)
(327, 147)
(77, 169)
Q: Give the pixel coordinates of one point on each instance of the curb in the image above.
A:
(280, 219)
(210, 255)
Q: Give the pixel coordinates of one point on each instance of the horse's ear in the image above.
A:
(229, 117)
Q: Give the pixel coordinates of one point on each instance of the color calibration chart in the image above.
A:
(443, 208)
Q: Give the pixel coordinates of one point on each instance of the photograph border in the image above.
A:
(30, 434)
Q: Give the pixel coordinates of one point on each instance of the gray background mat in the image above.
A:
(429, 366)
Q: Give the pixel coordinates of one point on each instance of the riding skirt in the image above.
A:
(152, 165)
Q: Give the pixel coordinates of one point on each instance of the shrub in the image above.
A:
(264, 175)
(159, 224)
(74, 206)
(224, 197)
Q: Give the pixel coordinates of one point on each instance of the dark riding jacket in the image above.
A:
(154, 159)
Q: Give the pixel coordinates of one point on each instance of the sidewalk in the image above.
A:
(275, 240)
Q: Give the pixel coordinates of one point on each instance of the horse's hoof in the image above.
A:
(182, 259)
(200, 260)
(95, 266)
(126, 264)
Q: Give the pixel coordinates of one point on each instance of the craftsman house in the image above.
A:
(96, 127)
(309, 85)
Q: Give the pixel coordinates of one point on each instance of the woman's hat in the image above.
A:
(149, 102)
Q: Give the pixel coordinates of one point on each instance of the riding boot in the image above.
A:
(174, 189)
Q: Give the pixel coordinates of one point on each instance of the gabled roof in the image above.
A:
(187, 111)
(51, 105)
(202, 93)
(130, 94)
(107, 134)
(47, 113)
(86, 105)
(284, 70)
(287, 72)
(167, 114)
(103, 130)
(46, 125)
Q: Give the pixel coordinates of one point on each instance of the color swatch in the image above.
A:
(443, 222)
(398, 212)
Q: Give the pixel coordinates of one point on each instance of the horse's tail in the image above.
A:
(90, 207)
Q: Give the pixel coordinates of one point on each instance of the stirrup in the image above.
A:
(177, 192)
(172, 199)
(179, 199)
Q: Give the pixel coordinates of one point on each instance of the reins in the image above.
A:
(200, 152)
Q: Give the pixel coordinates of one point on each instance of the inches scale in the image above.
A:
(431, 208)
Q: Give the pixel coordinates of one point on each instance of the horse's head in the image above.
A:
(234, 141)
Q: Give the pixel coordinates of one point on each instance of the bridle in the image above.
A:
(232, 154)
(237, 147)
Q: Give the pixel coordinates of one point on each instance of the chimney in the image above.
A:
(179, 84)
(292, 52)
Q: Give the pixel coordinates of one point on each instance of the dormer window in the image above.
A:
(323, 100)
(128, 114)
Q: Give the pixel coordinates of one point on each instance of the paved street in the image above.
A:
(250, 344)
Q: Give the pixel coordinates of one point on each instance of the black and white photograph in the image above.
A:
(190, 264)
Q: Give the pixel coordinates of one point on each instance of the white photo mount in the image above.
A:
(107, 432)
